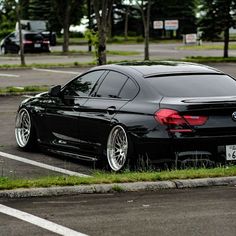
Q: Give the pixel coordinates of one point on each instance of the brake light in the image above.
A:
(178, 123)
(169, 117)
(27, 42)
(46, 41)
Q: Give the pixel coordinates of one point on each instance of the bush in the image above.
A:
(140, 39)
(5, 32)
(76, 35)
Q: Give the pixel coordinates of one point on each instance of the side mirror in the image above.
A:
(55, 91)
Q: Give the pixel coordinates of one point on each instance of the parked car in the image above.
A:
(166, 112)
(32, 42)
(39, 26)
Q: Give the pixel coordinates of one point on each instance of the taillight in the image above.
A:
(169, 117)
(27, 42)
(178, 123)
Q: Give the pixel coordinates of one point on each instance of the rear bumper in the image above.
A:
(172, 149)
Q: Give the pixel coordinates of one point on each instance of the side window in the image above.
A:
(11, 36)
(83, 85)
(112, 85)
(129, 91)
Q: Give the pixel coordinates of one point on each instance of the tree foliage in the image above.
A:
(218, 16)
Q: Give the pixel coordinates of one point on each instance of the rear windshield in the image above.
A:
(194, 85)
(33, 36)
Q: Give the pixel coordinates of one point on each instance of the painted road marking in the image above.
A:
(57, 71)
(35, 220)
(42, 165)
(9, 75)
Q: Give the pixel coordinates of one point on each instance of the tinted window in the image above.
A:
(83, 85)
(129, 91)
(112, 85)
(194, 85)
(33, 36)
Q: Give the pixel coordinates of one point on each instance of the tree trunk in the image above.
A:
(22, 56)
(90, 24)
(126, 22)
(66, 26)
(109, 23)
(226, 43)
(146, 23)
(102, 13)
(146, 51)
(102, 58)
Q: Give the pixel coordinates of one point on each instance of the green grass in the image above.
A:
(114, 178)
(26, 89)
(207, 47)
(120, 40)
(200, 59)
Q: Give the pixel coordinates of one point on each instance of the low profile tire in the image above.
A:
(117, 148)
(24, 131)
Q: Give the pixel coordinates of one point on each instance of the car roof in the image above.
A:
(158, 68)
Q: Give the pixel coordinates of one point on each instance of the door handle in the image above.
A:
(111, 110)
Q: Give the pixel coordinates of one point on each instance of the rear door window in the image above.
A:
(112, 85)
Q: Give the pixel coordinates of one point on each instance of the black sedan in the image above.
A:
(32, 42)
(166, 112)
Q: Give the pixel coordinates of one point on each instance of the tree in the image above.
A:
(102, 10)
(144, 7)
(217, 18)
(68, 12)
(7, 15)
(39, 11)
(18, 13)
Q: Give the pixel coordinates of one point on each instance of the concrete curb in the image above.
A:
(117, 187)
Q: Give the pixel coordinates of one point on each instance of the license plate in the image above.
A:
(37, 45)
(231, 152)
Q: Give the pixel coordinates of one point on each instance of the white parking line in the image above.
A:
(57, 71)
(35, 220)
(42, 165)
(9, 75)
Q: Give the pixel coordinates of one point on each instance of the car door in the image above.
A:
(98, 111)
(12, 43)
(61, 116)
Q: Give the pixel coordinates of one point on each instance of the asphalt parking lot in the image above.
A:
(19, 169)
(192, 212)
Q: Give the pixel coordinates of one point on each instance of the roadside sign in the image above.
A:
(171, 24)
(158, 24)
(191, 38)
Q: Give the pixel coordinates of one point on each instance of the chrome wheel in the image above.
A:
(23, 128)
(117, 148)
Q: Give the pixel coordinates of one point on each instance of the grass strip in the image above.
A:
(206, 47)
(109, 52)
(200, 59)
(26, 89)
(113, 178)
(197, 59)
